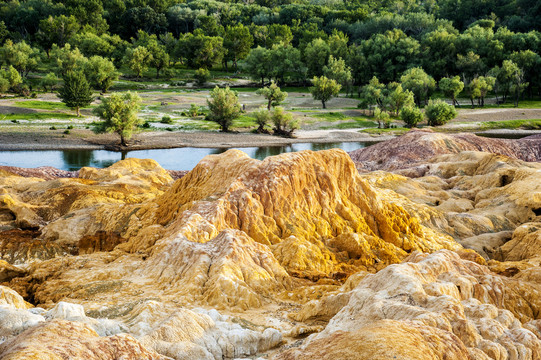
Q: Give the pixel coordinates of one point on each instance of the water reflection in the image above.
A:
(175, 159)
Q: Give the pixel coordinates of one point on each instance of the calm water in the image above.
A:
(173, 159)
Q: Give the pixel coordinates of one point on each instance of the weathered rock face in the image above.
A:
(280, 247)
(233, 233)
(417, 146)
(436, 306)
(469, 194)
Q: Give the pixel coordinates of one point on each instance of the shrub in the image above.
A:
(411, 116)
(66, 132)
(201, 76)
(194, 110)
(439, 113)
(262, 118)
(166, 120)
(284, 125)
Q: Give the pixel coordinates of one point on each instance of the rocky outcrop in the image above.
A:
(436, 306)
(417, 146)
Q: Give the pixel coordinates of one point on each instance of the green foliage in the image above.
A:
(262, 118)
(324, 89)
(372, 94)
(258, 63)
(273, 94)
(48, 82)
(57, 30)
(201, 51)
(76, 91)
(119, 114)
(337, 70)
(419, 83)
(201, 76)
(397, 97)
(67, 59)
(224, 107)
(451, 87)
(237, 42)
(479, 87)
(383, 118)
(12, 76)
(166, 119)
(100, 72)
(138, 59)
(194, 110)
(316, 56)
(21, 56)
(411, 115)
(439, 113)
(283, 122)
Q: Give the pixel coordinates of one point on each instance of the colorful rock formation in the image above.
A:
(245, 258)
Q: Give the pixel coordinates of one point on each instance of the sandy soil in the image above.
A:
(85, 139)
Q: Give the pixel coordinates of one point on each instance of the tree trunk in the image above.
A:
(78, 112)
(323, 102)
(157, 73)
(269, 105)
(122, 139)
(472, 105)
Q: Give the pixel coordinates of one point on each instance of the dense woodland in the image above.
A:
(371, 47)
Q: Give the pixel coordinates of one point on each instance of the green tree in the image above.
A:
(397, 97)
(470, 65)
(411, 116)
(419, 83)
(4, 84)
(339, 71)
(119, 114)
(100, 72)
(56, 30)
(324, 89)
(316, 56)
(237, 42)
(76, 91)
(439, 112)
(224, 107)
(48, 81)
(160, 57)
(283, 122)
(338, 44)
(201, 51)
(285, 60)
(372, 94)
(258, 64)
(451, 87)
(21, 56)
(138, 59)
(479, 87)
(273, 94)
(67, 59)
(13, 77)
(382, 117)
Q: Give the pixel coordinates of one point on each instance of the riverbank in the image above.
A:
(83, 139)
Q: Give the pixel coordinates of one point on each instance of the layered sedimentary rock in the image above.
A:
(417, 146)
(470, 194)
(240, 256)
(436, 306)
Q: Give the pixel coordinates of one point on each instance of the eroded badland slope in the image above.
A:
(243, 257)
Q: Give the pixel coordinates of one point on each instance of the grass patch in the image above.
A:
(359, 123)
(533, 124)
(244, 121)
(41, 105)
(37, 116)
